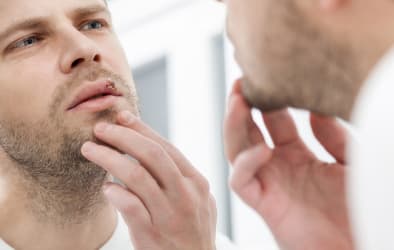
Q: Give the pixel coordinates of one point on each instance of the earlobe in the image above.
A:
(331, 5)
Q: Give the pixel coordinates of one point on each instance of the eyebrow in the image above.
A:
(84, 12)
(40, 22)
(29, 24)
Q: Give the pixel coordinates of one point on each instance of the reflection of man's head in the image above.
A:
(290, 57)
(53, 55)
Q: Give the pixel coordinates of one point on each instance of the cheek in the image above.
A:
(23, 96)
(235, 20)
(115, 58)
(246, 24)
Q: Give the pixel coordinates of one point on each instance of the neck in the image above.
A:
(22, 228)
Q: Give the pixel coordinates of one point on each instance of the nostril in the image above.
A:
(77, 62)
(97, 58)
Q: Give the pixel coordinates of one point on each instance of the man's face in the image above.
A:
(58, 52)
(288, 60)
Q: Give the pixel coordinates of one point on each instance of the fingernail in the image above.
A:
(127, 116)
(102, 127)
(107, 191)
(105, 188)
(87, 147)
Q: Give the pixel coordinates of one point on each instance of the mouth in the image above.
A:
(95, 97)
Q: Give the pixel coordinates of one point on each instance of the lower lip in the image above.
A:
(97, 105)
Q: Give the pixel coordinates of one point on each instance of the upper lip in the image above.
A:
(89, 91)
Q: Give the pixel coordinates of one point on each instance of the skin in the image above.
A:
(190, 218)
(58, 186)
(310, 55)
(287, 185)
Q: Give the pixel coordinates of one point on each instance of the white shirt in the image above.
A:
(121, 240)
(371, 178)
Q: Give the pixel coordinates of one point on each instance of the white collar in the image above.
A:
(120, 239)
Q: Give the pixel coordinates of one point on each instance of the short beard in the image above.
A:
(62, 187)
(302, 67)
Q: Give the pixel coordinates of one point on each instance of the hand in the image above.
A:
(166, 202)
(301, 198)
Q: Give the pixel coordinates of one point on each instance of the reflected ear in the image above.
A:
(332, 5)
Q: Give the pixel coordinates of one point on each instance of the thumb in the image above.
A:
(331, 135)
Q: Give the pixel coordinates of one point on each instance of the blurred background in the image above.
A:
(183, 67)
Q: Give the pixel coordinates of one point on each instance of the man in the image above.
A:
(68, 117)
(312, 55)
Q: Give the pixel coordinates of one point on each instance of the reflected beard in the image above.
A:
(300, 66)
(62, 187)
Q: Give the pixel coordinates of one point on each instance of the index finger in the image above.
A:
(127, 119)
(240, 131)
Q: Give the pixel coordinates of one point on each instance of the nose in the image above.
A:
(78, 49)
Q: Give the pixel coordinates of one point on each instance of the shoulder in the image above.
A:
(371, 157)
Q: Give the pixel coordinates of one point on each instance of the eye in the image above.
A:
(93, 25)
(26, 42)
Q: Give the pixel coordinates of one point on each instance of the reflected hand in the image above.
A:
(166, 202)
(301, 198)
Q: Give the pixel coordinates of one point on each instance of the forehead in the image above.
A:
(15, 10)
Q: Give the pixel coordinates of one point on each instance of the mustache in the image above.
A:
(90, 73)
(93, 73)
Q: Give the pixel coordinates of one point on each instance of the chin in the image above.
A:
(259, 99)
(248, 91)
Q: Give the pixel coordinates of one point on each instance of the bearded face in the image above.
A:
(47, 152)
(288, 60)
(42, 70)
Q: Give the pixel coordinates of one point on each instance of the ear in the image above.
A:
(332, 5)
